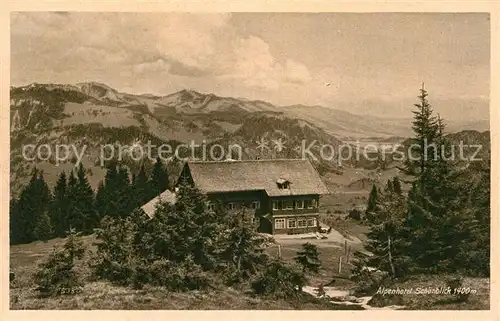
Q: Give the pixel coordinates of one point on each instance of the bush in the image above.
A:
(57, 275)
(116, 259)
(456, 286)
(183, 276)
(355, 214)
(279, 280)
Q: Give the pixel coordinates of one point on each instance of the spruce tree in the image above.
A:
(389, 186)
(100, 200)
(107, 198)
(16, 225)
(426, 208)
(396, 184)
(124, 200)
(72, 194)
(115, 195)
(308, 258)
(386, 238)
(159, 179)
(85, 200)
(43, 229)
(188, 228)
(57, 275)
(140, 188)
(433, 205)
(371, 207)
(426, 130)
(32, 205)
(59, 206)
(243, 247)
(479, 256)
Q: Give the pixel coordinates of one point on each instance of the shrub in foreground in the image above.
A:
(279, 280)
(57, 275)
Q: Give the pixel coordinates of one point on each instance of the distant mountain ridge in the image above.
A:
(337, 122)
(93, 114)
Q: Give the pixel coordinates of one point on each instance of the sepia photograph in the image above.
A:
(249, 161)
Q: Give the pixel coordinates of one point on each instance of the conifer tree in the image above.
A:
(140, 188)
(396, 184)
(188, 228)
(434, 208)
(372, 203)
(100, 200)
(72, 195)
(426, 130)
(243, 247)
(308, 258)
(159, 179)
(57, 275)
(15, 222)
(107, 199)
(33, 203)
(429, 199)
(59, 206)
(115, 197)
(389, 186)
(386, 239)
(43, 229)
(85, 216)
(479, 255)
(124, 196)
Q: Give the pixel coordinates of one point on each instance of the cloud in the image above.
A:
(158, 65)
(256, 66)
(162, 65)
(190, 39)
(296, 72)
(179, 44)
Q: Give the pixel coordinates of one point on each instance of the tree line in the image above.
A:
(442, 224)
(184, 246)
(41, 214)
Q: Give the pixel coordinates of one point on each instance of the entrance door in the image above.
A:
(265, 226)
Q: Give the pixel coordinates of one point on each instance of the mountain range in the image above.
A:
(94, 114)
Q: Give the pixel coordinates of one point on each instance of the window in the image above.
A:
(255, 205)
(283, 183)
(231, 206)
(299, 204)
(302, 223)
(275, 205)
(309, 204)
(311, 222)
(288, 205)
(292, 223)
(279, 223)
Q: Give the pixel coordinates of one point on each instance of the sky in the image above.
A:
(367, 63)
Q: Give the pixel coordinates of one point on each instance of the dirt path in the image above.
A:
(333, 239)
(343, 297)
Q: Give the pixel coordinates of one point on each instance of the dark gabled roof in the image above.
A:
(232, 176)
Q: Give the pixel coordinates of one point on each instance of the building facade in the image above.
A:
(284, 194)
